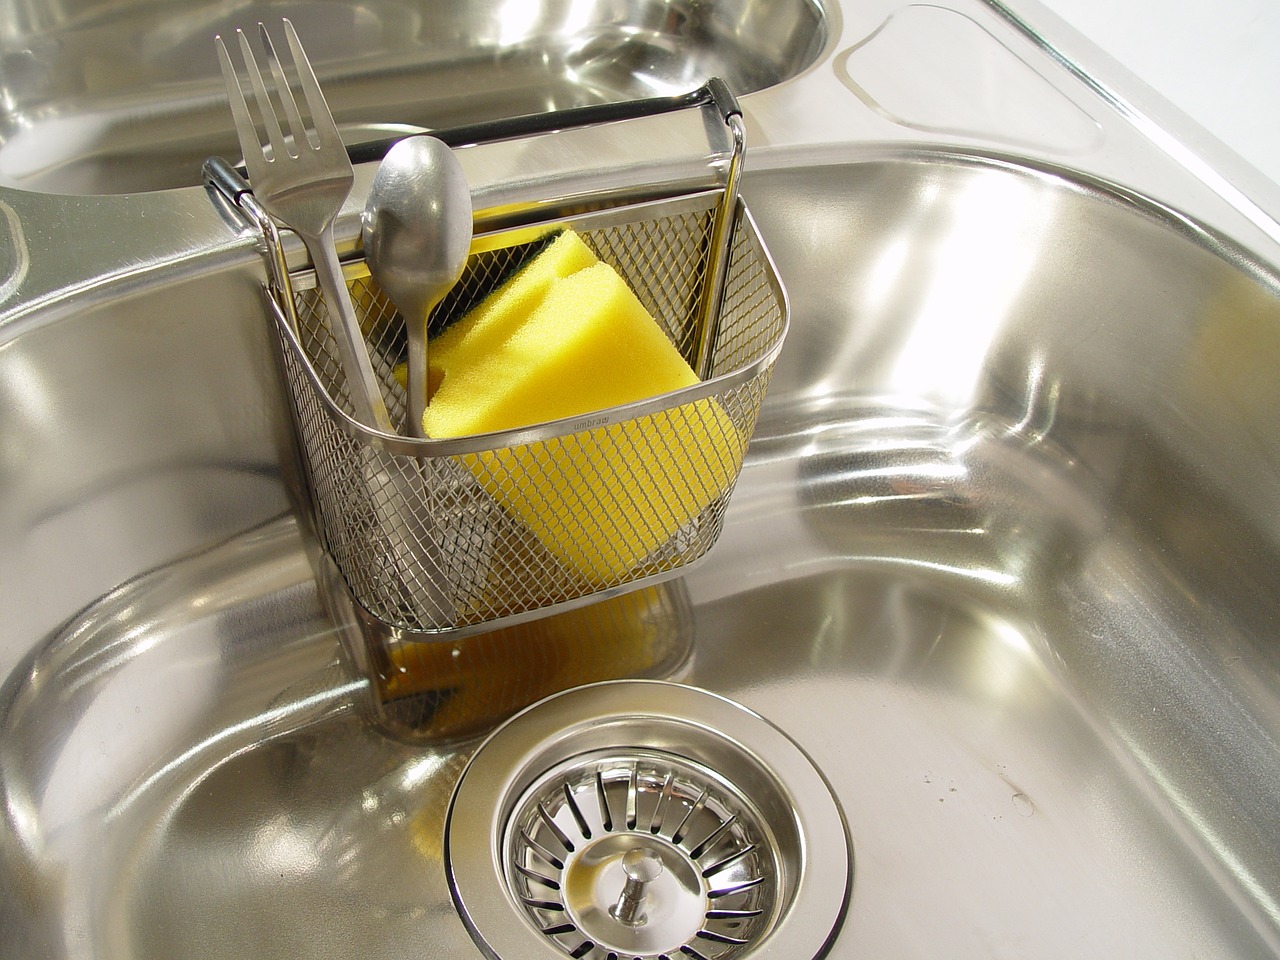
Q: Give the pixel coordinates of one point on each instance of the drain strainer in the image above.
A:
(641, 854)
(640, 820)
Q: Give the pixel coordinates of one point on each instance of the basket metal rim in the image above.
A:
(400, 445)
(339, 589)
(567, 215)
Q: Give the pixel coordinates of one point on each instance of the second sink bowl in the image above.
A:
(1004, 562)
(123, 98)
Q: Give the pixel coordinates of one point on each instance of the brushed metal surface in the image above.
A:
(1003, 562)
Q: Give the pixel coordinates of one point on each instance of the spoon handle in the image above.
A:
(416, 392)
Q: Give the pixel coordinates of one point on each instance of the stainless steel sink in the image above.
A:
(1004, 563)
(118, 98)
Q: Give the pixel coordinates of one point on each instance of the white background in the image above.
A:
(1216, 60)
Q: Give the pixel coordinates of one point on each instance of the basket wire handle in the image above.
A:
(230, 183)
(722, 230)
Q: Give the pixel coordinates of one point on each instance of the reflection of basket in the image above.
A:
(426, 690)
(443, 535)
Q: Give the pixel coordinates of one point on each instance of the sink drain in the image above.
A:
(641, 855)
(640, 820)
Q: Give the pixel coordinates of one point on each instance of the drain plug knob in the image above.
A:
(641, 866)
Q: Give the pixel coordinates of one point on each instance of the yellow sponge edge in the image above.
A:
(551, 344)
(493, 319)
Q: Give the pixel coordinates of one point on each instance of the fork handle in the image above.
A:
(362, 383)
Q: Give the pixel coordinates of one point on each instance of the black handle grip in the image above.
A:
(229, 181)
(714, 90)
(724, 99)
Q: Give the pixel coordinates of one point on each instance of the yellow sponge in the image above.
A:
(493, 319)
(603, 499)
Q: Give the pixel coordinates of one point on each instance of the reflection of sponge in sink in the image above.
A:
(604, 498)
(450, 689)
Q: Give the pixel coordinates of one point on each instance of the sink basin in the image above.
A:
(118, 98)
(1003, 562)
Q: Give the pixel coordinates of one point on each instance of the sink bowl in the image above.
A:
(112, 98)
(1003, 562)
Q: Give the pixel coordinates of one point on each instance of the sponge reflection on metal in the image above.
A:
(434, 691)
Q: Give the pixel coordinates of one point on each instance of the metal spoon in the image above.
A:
(417, 231)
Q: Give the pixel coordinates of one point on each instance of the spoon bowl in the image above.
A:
(417, 233)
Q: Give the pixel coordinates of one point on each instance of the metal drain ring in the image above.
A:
(640, 819)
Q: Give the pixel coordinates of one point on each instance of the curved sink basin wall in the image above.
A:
(998, 562)
(111, 98)
(1041, 411)
(1004, 559)
(139, 428)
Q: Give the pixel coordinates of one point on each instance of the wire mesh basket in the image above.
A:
(459, 535)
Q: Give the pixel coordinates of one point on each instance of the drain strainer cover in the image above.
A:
(640, 819)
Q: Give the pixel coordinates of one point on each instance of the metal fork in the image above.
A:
(303, 182)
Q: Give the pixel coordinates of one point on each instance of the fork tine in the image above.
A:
(275, 136)
(322, 120)
(246, 132)
(285, 92)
